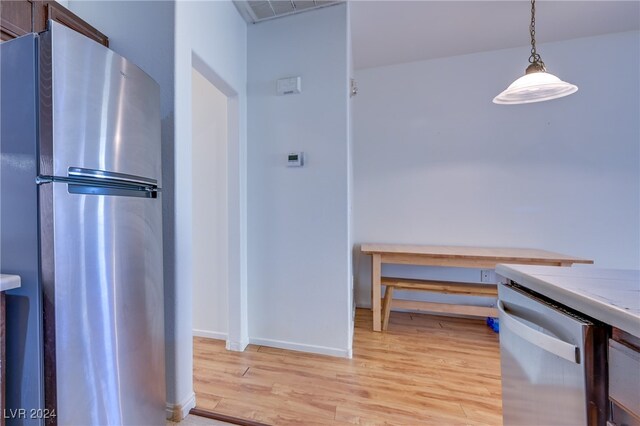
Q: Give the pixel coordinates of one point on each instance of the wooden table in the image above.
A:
(451, 256)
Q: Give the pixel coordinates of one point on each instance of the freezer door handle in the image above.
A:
(549, 343)
(110, 176)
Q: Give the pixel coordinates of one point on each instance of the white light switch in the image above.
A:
(289, 86)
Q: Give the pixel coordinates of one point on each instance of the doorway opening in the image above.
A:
(210, 218)
(209, 178)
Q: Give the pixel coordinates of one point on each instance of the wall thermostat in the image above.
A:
(295, 159)
(289, 86)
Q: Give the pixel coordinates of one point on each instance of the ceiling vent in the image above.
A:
(258, 11)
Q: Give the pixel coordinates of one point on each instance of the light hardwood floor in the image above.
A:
(425, 370)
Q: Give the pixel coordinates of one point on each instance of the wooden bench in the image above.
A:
(448, 256)
(443, 287)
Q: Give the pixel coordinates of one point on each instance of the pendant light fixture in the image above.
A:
(537, 84)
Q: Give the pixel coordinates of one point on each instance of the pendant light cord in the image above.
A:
(535, 58)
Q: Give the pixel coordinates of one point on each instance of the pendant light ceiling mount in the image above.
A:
(537, 84)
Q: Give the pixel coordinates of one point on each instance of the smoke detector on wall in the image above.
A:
(254, 11)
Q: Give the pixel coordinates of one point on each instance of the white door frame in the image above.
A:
(237, 338)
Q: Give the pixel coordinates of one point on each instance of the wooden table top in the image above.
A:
(510, 255)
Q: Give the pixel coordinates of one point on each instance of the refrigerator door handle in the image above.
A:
(92, 186)
(549, 343)
(121, 178)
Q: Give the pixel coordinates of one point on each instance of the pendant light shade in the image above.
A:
(537, 84)
(535, 87)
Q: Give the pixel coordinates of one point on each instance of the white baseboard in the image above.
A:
(177, 412)
(237, 346)
(322, 350)
(210, 334)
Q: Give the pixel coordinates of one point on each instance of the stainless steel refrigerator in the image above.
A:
(81, 224)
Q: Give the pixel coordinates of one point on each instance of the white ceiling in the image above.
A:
(387, 32)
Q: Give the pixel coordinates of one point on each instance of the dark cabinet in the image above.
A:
(3, 368)
(19, 17)
(15, 18)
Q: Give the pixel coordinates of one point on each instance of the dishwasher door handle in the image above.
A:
(548, 343)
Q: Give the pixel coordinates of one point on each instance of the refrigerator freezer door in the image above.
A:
(19, 227)
(98, 110)
(542, 361)
(108, 308)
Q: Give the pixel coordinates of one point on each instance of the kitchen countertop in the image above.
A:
(608, 295)
(8, 282)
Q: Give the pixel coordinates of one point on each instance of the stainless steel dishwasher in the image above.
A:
(553, 360)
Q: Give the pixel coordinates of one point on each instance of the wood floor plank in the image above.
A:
(265, 414)
(425, 369)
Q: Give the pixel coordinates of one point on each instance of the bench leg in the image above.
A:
(386, 307)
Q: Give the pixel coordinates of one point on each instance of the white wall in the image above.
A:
(209, 177)
(210, 37)
(350, 245)
(298, 217)
(437, 163)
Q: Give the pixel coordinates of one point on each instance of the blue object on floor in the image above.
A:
(494, 324)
